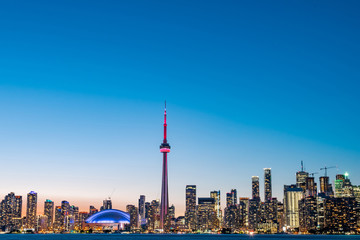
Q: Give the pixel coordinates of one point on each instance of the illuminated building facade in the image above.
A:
(310, 187)
(325, 186)
(190, 208)
(301, 178)
(9, 212)
(231, 212)
(254, 213)
(308, 214)
(107, 204)
(134, 216)
(292, 196)
(41, 223)
(49, 212)
(255, 187)
(164, 203)
(206, 215)
(57, 226)
(243, 213)
(267, 188)
(31, 210)
(153, 219)
(141, 207)
(216, 195)
(340, 215)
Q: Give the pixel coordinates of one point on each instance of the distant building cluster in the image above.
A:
(331, 209)
(306, 208)
(55, 219)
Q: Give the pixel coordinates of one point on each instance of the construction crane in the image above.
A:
(326, 168)
(312, 174)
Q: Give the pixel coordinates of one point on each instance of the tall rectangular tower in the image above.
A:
(49, 212)
(190, 211)
(255, 188)
(142, 208)
(31, 209)
(267, 179)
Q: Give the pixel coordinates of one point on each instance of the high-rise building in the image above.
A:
(255, 187)
(254, 213)
(301, 177)
(164, 203)
(216, 195)
(141, 207)
(340, 215)
(83, 216)
(231, 198)
(41, 223)
(134, 216)
(49, 212)
(311, 188)
(292, 195)
(57, 226)
(31, 210)
(153, 221)
(206, 215)
(65, 214)
(190, 210)
(8, 212)
(107, 204)
(308, 214)
(75, 213)
(18, 207)
(280, 216)
(267, 179)
(92, 210)
(231, 212)
(324, 185)
(244, 212)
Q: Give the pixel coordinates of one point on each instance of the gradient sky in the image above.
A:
(248, 84)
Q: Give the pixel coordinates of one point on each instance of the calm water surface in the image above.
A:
(165, 237)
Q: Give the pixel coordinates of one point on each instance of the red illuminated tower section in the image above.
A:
(164, 204)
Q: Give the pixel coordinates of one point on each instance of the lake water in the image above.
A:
(170, 237)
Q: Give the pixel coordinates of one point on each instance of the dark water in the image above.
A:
(165, 237)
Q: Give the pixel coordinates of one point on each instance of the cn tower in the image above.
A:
(164, 204)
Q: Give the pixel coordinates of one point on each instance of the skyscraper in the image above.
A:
(190, 211)
(324, 185)
(231, 198)
(134, 216)
(31, 209)
(164, 203)
(255, 187)
(216, 195)
(65, 212)
(206, 215)
(301, 177)
(49, 212)
(292, 195)
(267, 179)
(142, 209)
(107, 204)
(57, 226)
(311, 188)
(18, 206)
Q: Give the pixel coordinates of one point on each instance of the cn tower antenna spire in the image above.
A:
(164, 204)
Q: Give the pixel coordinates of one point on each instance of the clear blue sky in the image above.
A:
(249, 85)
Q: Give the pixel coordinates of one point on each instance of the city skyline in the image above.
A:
(248, 85)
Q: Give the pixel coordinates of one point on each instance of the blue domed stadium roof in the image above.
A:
(109, 216)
